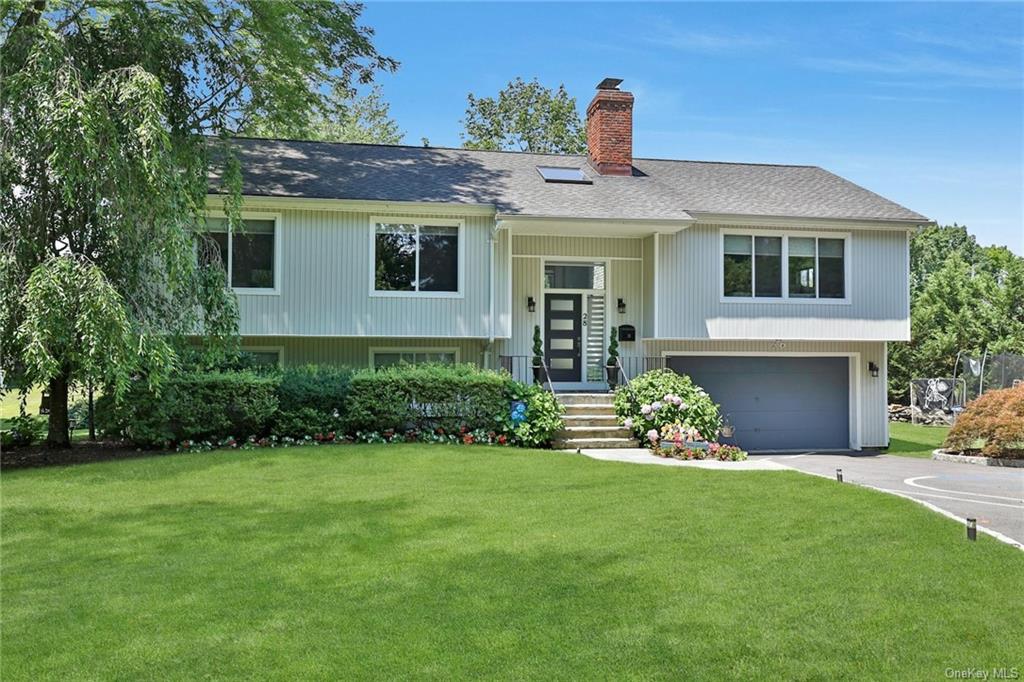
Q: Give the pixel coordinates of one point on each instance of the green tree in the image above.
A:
(525, 116)
(106, 111)
(351, 118)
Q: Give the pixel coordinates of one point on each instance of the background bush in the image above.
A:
(21, 431)
(192, 406)
(992, 424)
(698, 410)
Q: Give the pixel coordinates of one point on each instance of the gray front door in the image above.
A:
(777, 403)
(563, 329)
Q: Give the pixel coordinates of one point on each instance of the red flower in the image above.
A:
(468, 439)
(330, 435)
(318, 437)
(502, 439)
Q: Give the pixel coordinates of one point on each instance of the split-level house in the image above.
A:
(775, 287)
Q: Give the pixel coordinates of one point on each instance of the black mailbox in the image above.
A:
(627, 332)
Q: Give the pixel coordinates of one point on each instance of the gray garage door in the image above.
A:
(777, 403)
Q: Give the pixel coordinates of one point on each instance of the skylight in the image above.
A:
(560, 174)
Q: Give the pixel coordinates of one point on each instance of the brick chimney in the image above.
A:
(610, 129)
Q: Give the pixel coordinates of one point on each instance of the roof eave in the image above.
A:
(758, 220)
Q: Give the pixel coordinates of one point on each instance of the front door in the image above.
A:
(563, 330)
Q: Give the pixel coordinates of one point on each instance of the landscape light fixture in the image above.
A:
(839, 475)
(873, 368)
(972, 529)
(622, 306)
(531, 304)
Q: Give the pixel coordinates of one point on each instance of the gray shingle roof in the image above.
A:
(658, 190)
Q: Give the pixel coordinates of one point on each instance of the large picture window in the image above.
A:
(416, 258)
(783, 267)
(248, 254)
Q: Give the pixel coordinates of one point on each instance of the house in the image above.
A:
(776, 287)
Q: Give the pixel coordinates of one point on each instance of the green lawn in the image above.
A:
(453, 562)
(915, 440)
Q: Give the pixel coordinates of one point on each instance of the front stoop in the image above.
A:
(590, 422)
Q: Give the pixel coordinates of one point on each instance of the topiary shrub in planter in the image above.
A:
(992, 426)
(661, 397)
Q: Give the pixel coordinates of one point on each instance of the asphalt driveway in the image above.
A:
(992, 495)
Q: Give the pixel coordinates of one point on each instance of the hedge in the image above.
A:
(192, 406)
(406, 402)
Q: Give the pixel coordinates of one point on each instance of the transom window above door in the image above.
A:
(574, 276)
(793, 267)
(411, 259)
(248, 254)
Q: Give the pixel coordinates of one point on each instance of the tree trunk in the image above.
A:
(58, 436)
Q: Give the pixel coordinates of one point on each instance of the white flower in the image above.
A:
(628, 423)
(677, 401)
(667, 397)
(652, 435)
(645, 409)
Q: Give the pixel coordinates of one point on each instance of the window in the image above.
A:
(416, 258)
(784, 267)
(390, 357)
(248, 254)
(573, 176)
(264, 357)
(574, 276)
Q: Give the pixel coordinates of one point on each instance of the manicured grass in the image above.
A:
(914, 440)
(462, 562)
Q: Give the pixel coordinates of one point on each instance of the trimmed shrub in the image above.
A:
(194, 406)
(992, 425)
(448, 399)
(662, 397)
(311, 400)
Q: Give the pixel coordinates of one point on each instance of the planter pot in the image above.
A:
(728, 431)
(538, 375)
(612, 372)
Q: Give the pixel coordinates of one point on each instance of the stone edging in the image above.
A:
(983, 461)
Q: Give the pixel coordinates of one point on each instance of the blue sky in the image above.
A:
(920, 102)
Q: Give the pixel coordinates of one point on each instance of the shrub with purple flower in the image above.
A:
(661, 397)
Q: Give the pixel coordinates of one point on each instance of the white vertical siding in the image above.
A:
(576, 246)
(325, 273)
(649, 310)
(690, 305)
(871, 408)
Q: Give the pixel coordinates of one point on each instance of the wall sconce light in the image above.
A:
(873, 368)
(531, 304)
(622, 306)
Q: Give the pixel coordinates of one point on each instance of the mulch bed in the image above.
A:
(79, 453)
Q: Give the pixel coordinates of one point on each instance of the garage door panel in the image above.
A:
(777, 403)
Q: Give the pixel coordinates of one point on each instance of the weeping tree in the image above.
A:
(111, 114)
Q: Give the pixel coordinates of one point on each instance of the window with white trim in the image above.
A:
(416, 258)
(793, 266)
(389, 358)
(248, 254)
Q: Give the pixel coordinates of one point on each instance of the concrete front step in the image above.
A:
(594, 443)
(584, 409)
(591, 420)
(585, 398)
(573, 431)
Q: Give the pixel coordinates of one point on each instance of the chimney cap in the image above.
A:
(609, 84)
